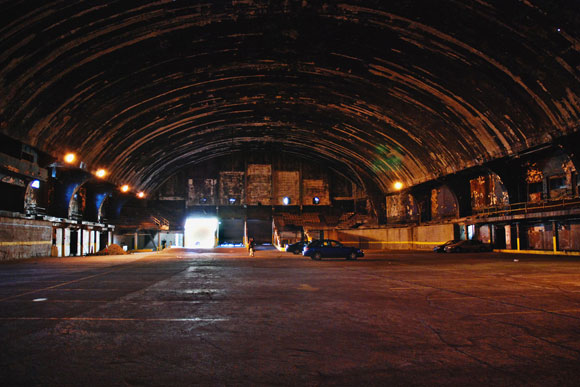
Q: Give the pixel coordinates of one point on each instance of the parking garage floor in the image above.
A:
(218, 317)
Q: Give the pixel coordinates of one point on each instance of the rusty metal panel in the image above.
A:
(540, 237)
(259, 184)
(443, 203)
(401, 207)
(487, 191)
(231, 187)
(315, 188)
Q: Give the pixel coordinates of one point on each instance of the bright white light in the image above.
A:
(200, 233)
(35, 184)
(286, 200)
(70, 158)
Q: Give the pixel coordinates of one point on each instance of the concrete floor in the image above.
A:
(220, 318)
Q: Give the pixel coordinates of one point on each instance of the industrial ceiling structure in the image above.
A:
(389, 91)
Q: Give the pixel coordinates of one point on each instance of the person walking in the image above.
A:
(251, 247)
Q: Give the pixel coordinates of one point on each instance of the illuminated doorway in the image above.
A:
(201, 233)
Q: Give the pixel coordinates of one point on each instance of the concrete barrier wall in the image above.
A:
(24, 238)
(395, 238)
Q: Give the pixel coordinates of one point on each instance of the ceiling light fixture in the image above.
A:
(70, 158)
(100, 173)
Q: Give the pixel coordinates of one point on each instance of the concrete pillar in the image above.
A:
(518, 236)
(87, 239)
(60, 241)
(66, 242)
(136, 241)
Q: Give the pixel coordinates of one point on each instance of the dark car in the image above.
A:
(441, 248)
(296, 248)
(328, 248)
(468, 246)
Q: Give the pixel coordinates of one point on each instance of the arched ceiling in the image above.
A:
(392, 90)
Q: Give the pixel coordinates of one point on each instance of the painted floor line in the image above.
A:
(122, 267)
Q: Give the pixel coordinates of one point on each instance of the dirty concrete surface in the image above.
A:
(218, 317)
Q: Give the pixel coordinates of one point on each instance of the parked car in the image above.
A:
(296, 248)
(468, 246)
(328, 248)
(441, 248)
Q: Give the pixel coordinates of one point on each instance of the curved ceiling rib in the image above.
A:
(406, 91)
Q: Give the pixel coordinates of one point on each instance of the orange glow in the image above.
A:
(141, 195)
(125, 188)
(101, 173)
(398, 185)
(70, 158)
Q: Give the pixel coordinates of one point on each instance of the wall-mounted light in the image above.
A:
(125, 188)
(70, 158)
(141, 194)
(35, 184)
(316, 200)
(203, 201)
(398, 185)
(286, 200)
(232, 200)
(101, 173)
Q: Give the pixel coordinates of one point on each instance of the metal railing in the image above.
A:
(161, 222)
(527, 207)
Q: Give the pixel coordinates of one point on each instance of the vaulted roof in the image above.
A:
(390, 90)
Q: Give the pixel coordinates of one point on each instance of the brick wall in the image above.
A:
(24, 238)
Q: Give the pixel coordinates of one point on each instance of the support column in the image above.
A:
(82, 241)
(508, 236)
(518, 236)
(136, 240)
(62, 242)
(79, 242)
(95, 241)
(555, 236)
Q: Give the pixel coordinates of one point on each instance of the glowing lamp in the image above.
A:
(125, 188)
(70, 158)
(398, 185)
(141, 195)
(286, 200)
(100, 173)
(35, 184)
